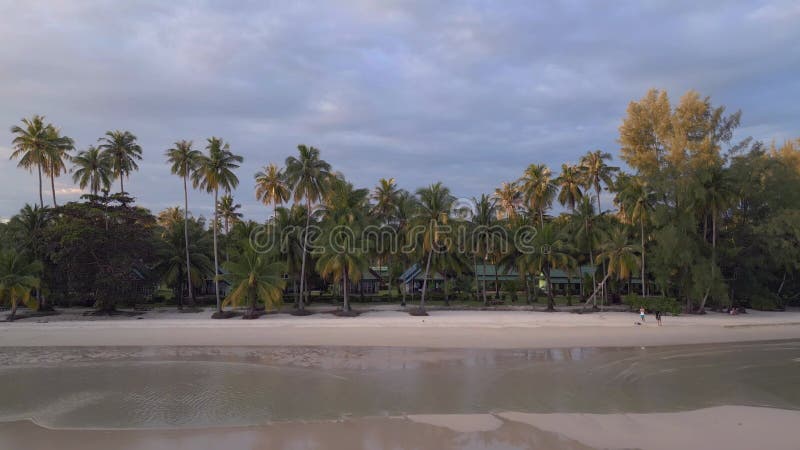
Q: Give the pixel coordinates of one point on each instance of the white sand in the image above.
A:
(442, 329)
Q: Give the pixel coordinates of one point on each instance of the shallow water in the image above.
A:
(174, 387)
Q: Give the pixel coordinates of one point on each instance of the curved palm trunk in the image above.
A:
(591, 261)
(186, 239)
(425, 280)
(216, 258)
(496, 282)
(599, 211)
(550, 301)
(713, 256)
(303, 286)
(53, 185)
(41, 196)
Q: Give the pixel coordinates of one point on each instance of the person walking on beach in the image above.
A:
(658, 317)
(641, 313)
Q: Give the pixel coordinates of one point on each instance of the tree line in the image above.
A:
(695, 216)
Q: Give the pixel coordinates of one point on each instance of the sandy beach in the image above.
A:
(442, 329)
(728, 427)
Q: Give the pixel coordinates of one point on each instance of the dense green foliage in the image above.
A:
(702, 219)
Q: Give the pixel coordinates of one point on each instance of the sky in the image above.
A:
(463, 92)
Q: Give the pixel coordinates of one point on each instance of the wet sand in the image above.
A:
(442, 329)
(726, 427)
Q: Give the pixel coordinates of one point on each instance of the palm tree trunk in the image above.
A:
(496, 282)
(600, 210)
(477, 284)
(425, 280)
(122, 185)
(550, 300)
(41, 196)
(591, 261)
(527, 290)
(13, 310)
(541, 217)
(644, 283)
(216, 258)
(713, 256)
(53, 186)
(305, 249)
(346, 306)
(485, 301)
(186, 237)
(389, 275)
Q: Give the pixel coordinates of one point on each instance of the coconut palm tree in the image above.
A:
(19, 276)
(509, 200)
(344, 253)
(619, 253)
(435, 202)
(583, 225)
(404, 215)
(569, 186)
(254, 276)
(26, 229)
(308, 177)
(57, 152)
(92, 169)
(215, 172)
(538, 189)
(271, 188)
(285, 232)
(552, 252)
(184, 161)
(179, 262)
(597, 172)
(483, 242)
(386, 196)
(636, 201)
(31, 145)
(122, 150)
(717, 194)
(229, 212)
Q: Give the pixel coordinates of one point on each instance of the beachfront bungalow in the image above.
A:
(572, 282)
(413, 278)
(370, 283)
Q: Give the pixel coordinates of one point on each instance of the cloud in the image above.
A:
(465, 92)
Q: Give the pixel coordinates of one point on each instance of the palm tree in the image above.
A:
(387, 197)
(538, 189)
(229, 212)
(308, 178)
(569, 186)
(552, 252)
(179, 255)
(18, 278)
(31, 145)
(57, 151)
(583, 228)
(215, 172)
(27, 228)
(343, 256)
(636, 201)
(619, 253)
(596, 172)
(717, 194)
(271, 187)
(184, 161)
(483, 219)
(253, 276)
(404, 214)
(509, 200)
(434, 211)
(122, 150)
(285, 232)
(91, 169)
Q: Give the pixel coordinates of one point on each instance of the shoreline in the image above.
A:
(732, 427)
(441, 330)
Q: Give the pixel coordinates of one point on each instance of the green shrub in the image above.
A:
(764, 302)
(664, 304)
